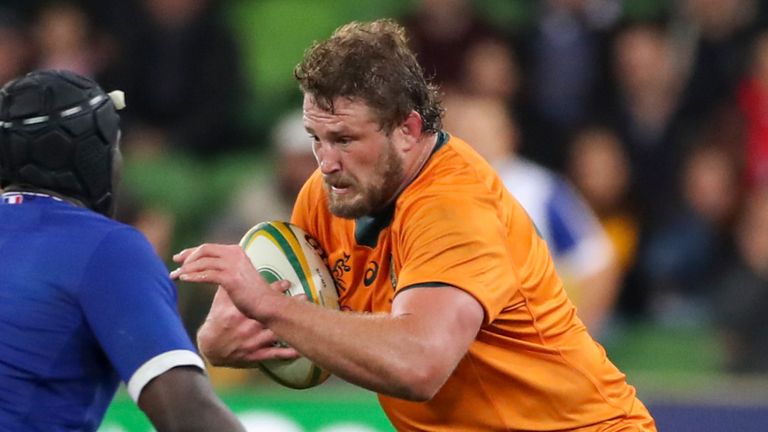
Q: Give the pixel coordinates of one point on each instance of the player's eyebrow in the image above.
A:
(332, 133)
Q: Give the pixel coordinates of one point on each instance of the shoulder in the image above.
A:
(88, 230)
(457, 188)
(454, 169)
(123, 237)
(115, 247)
(81, 220)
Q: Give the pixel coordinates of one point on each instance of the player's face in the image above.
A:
(359, 161)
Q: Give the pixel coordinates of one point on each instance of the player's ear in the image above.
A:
(410, 130)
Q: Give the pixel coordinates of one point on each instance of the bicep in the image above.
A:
(444, 316)
(172, 388)
(440, 246)
(183, 399)
(130, 306)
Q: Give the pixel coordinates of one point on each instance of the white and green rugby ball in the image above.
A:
(282, 251)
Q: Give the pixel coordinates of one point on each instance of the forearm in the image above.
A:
(380, 352)
(408, 353)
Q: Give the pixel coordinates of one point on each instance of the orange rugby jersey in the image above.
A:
(532, 366)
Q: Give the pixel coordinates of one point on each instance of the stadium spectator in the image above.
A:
(645, 113)
(564, 59)
(86, 301)
(712, 40)
(599, 169)
(64, 39)
(441, 32)
(16, 51)
(261, 199)
(156, 225)
(465, 324)
(742, 291)
(181, 65)
(582, 251)
(753, 102)
(490, 68)
(687, 249)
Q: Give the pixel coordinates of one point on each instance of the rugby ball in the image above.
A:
(282, 251)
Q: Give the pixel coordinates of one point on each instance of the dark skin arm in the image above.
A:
(182, 399)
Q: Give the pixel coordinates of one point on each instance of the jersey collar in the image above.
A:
(23, 197)
(368, 228)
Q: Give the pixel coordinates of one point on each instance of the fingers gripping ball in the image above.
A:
(281, 251)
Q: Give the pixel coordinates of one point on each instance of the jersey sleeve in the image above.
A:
(453, 242)
(130, 304)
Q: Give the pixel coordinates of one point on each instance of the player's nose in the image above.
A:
(328, 161)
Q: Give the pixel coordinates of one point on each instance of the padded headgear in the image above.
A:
(59, 131)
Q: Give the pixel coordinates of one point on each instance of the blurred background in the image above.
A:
(634, 131)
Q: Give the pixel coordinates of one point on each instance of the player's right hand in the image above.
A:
(229, 338)
(228, 266)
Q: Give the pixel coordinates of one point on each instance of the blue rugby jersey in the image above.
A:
(85, 303)
(577, 241)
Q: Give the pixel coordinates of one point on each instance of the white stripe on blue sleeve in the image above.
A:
(158, 365)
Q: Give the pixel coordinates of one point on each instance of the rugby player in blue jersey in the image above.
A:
(84, 300)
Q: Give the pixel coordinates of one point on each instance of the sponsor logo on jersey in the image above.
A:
(370, 273)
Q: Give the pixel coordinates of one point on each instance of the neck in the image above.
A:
(420, 159)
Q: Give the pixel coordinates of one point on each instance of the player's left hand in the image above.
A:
(229, 338)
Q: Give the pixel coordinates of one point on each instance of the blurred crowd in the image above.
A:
(638, 142)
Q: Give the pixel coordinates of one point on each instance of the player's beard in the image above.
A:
(367, 199)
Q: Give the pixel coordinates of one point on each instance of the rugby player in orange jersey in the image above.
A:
(453, 311)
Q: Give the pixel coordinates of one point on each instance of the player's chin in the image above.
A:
(349, 208)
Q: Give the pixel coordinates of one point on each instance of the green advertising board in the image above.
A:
(331, 407)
